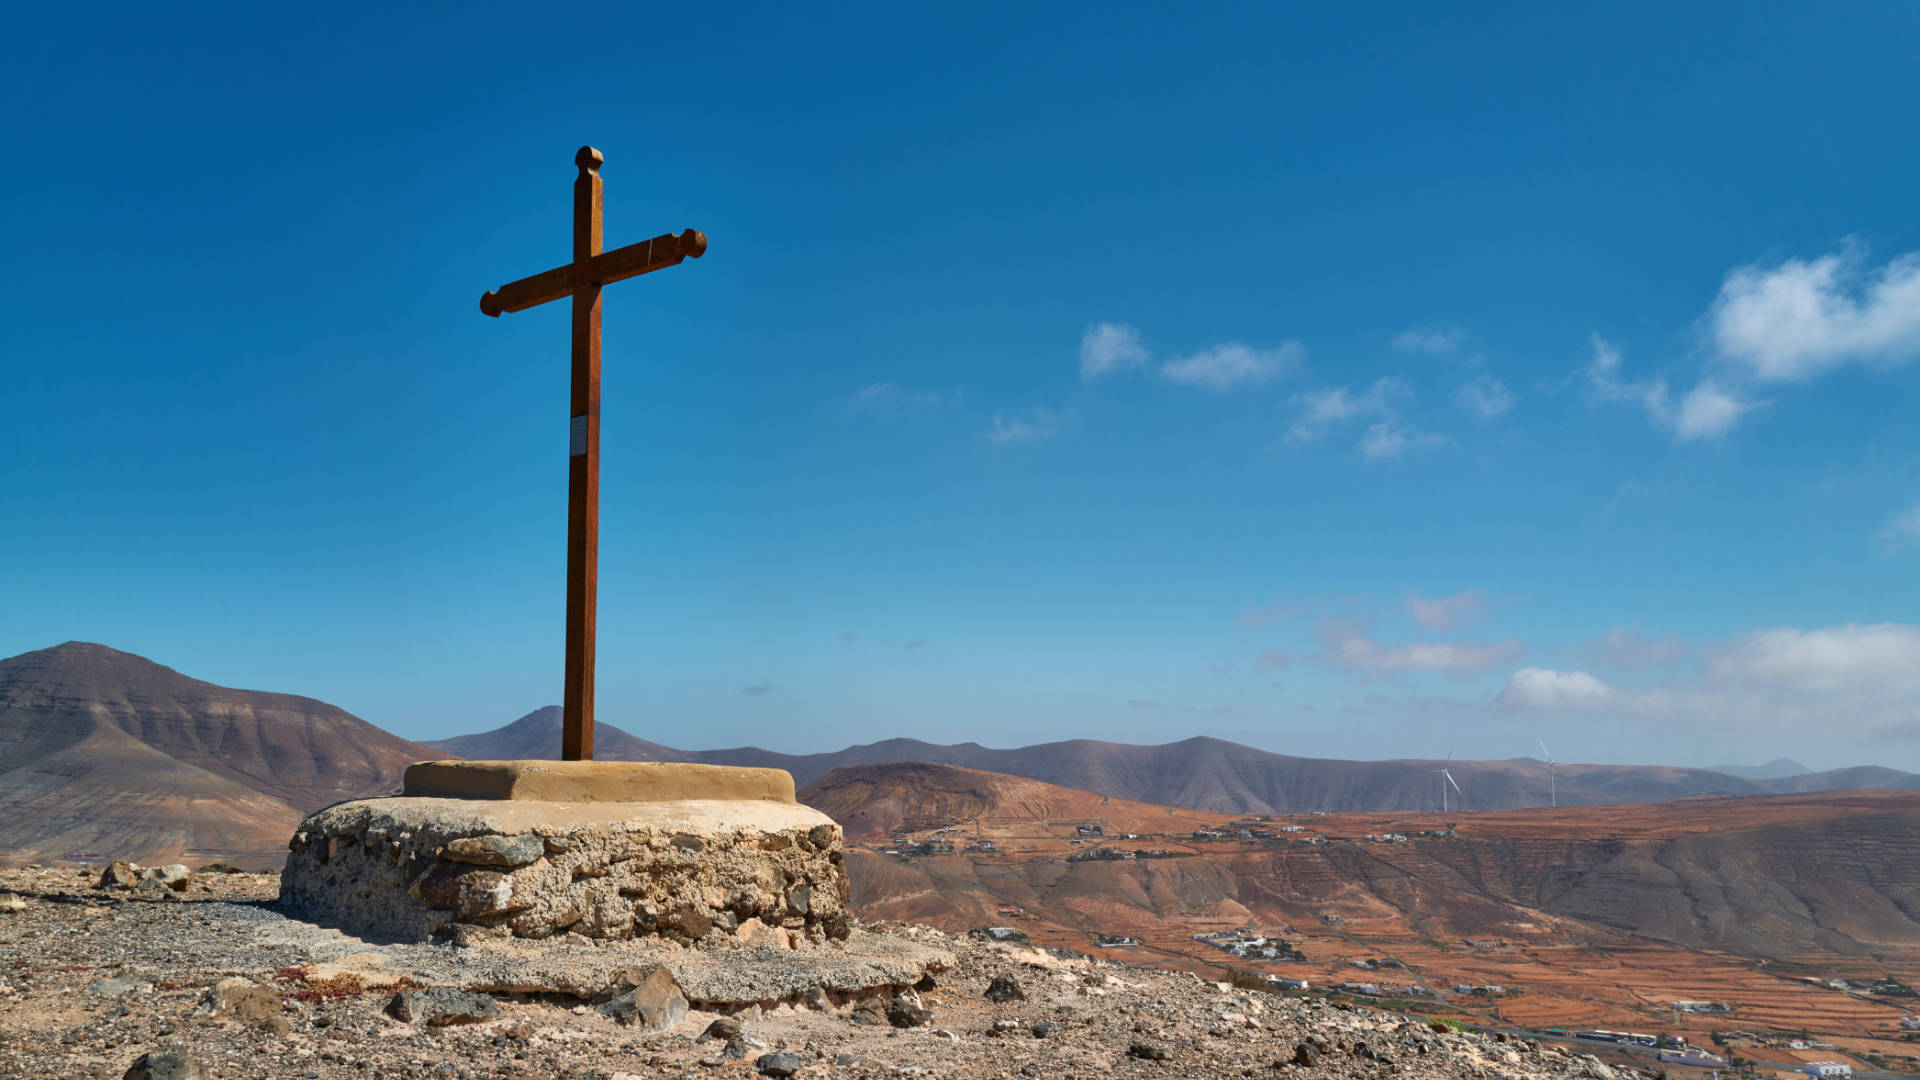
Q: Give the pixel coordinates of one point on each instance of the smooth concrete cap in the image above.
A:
(596, 781)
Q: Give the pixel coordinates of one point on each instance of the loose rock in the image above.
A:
(167, 1063)
(441, 1007)
(779, 1065)
(1005, 988)
(653, 1006)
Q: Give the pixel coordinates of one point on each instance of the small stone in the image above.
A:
(117, 876)
(11, 904)
(655, 1003)
(778, 1065)
(688, 842)
(118, 985)
(1146, 1051)
(1044, 1029)
(869, 1011)
(167, 1063)
(1002, 1027)
(441, 1007)
(1005, 988)
(1305, 1056)
(905, 1011)
(800, 899)
(175, 876)
(814, 997)
(741, 1047)
(243, 999)
(724, 1028)
(496, 850)
(822, 836)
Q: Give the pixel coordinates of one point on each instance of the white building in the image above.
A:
(1825, 1070)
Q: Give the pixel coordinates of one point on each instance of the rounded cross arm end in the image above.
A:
(589, 159)
(693, 243)
(490, 304)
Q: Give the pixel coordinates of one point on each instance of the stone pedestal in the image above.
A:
(698, 855)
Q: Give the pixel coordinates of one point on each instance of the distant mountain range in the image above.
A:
(1215, 775)
(104, 752)
(1777, 769)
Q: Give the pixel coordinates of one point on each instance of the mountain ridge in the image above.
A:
(1207, 773)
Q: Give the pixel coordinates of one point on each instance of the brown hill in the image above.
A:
(1766, 876)
(873, 802)
(537, 735)
(107, 753)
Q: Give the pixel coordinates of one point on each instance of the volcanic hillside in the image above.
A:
(106, 753)
(1214, 775)
(874, 802)
(1761, 876)
(537, 735)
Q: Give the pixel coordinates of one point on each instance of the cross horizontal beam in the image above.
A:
(603, 269)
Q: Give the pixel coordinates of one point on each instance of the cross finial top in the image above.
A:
(589, 159)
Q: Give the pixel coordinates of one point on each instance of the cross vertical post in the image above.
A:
(583, 470)
(582, 279)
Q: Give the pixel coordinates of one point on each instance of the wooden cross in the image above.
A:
(581, 279)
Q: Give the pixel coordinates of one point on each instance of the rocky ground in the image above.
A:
(199, 977)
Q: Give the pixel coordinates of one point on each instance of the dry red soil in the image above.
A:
(1596, 916)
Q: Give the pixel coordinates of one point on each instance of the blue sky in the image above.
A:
(1346, 382)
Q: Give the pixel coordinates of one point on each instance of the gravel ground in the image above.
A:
(91, 980)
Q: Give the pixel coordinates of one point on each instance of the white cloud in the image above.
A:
(1854, 658)
(1321, 409)
(1387, 439)
(1441, 339)
(1231, 364)
(1447, 612)
(1802, 319)
(1830, 684)
(1708, 411)
(1107, 348)
(1357, 651)
(1547, 689)
(1903, 532)
(1486, 397)
(1042, 425)
(886, 397)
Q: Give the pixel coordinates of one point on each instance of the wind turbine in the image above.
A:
(1448, 777)
(1553, 797)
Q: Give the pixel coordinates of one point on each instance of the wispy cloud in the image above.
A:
(1232, 364)
(884, 398)
(1801, 319)
(1902, 533)
(1040, 426)
(1107, 348)
(1261, 616)
(1272, 658)
(758, 689)
(1359, 651)
(1430, 339)
(1624, 648)
(1447, 612)
(1387, 439)
(1319, 410)
(1708, 411)
(1485, 397)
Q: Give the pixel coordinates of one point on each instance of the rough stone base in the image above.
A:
(711, 873)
